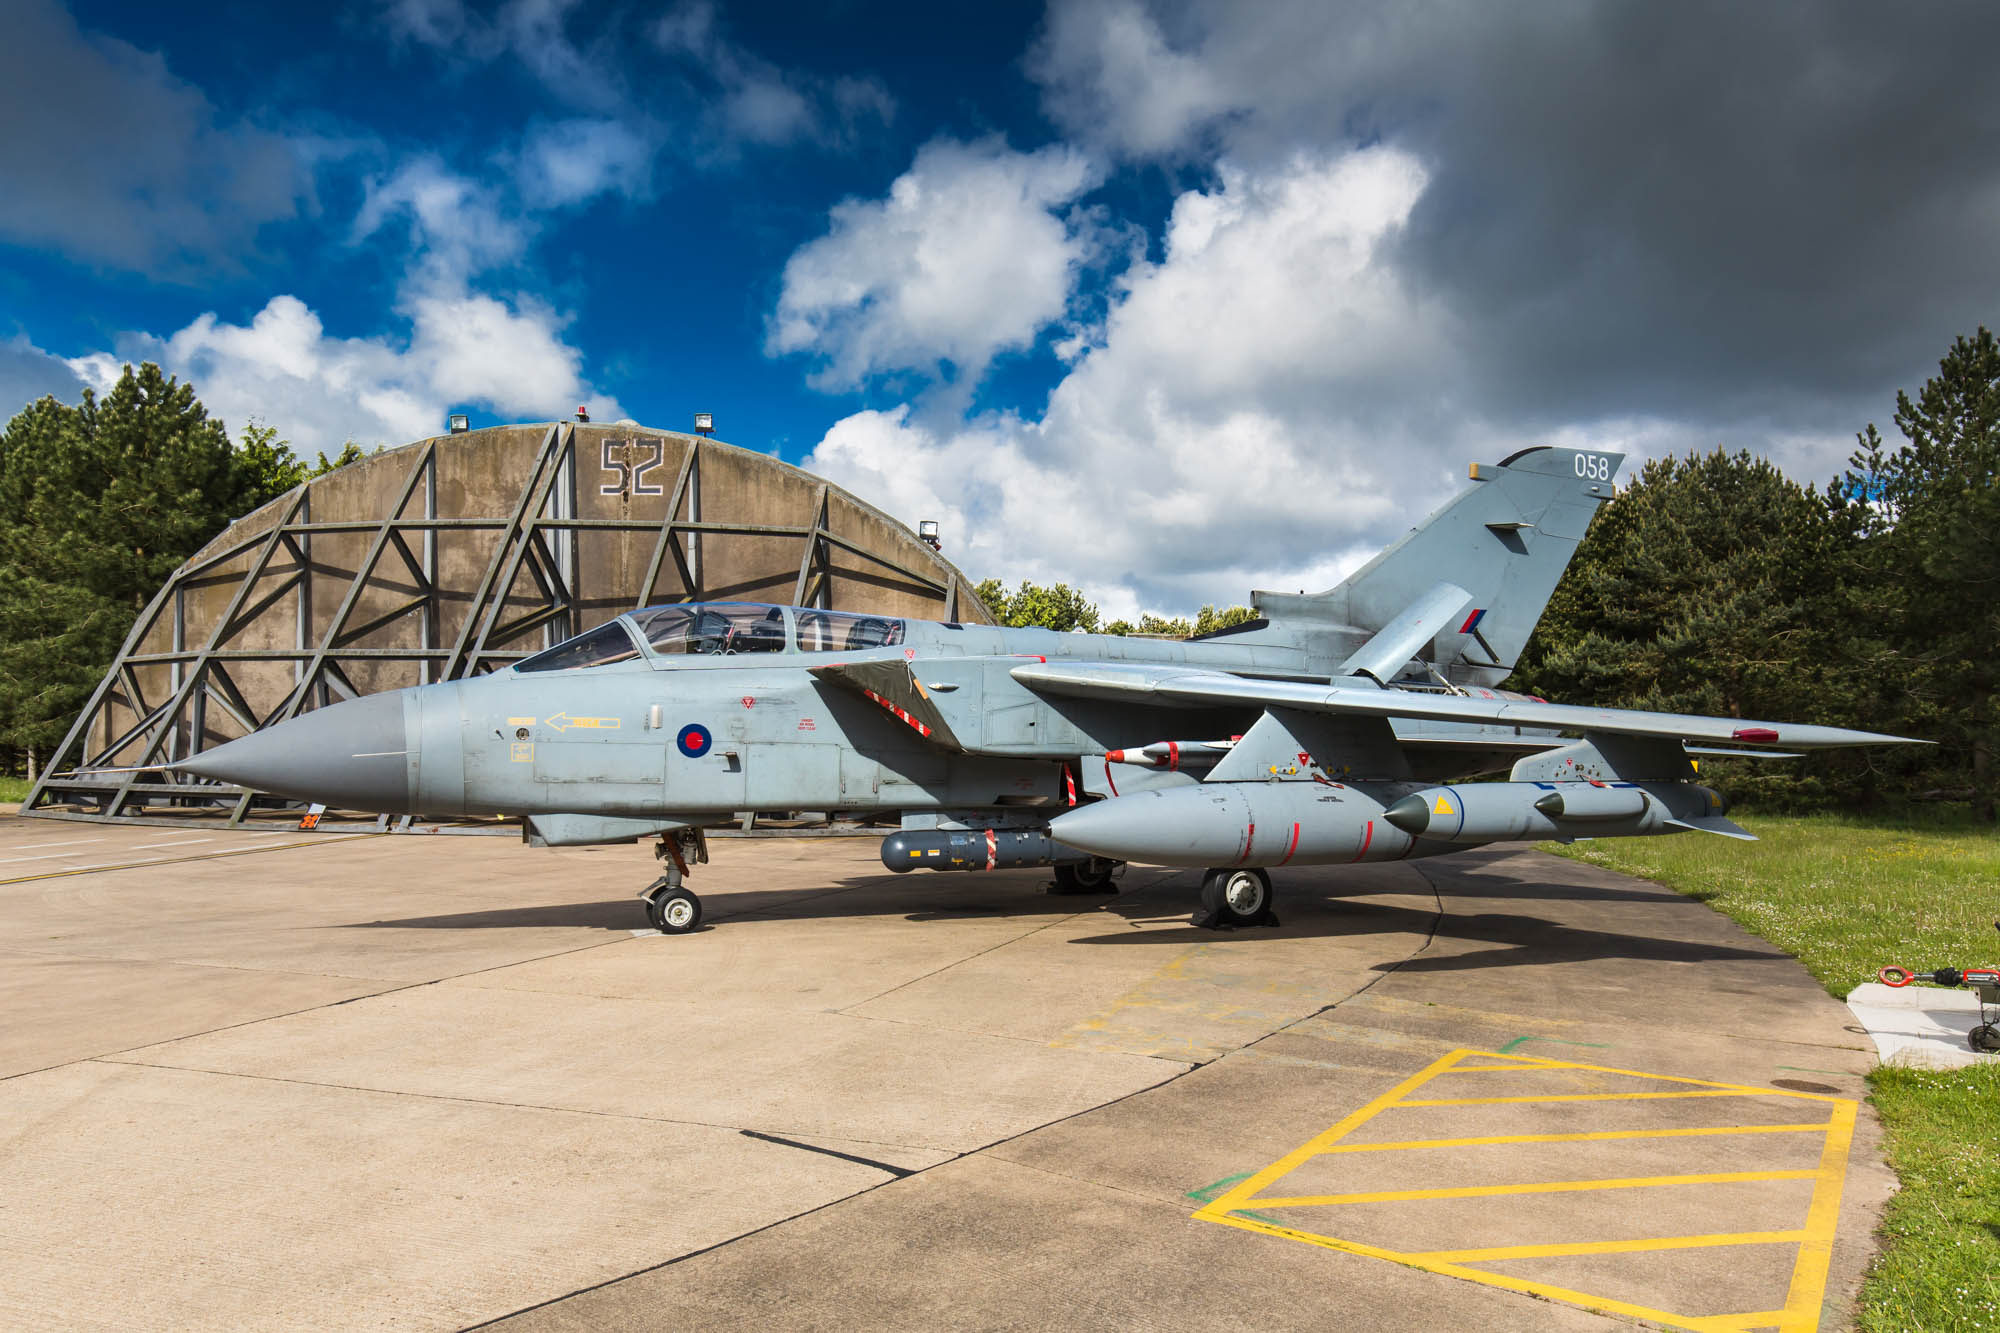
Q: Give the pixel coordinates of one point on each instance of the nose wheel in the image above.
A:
(673, 910)
(671, 906)
(1232, 898)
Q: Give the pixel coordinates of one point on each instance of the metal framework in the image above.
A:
(528, 587)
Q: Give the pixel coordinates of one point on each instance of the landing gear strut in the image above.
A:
(1092, 876)
(1234, 898)
(670, 906)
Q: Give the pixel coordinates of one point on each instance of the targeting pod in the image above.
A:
(975, 849)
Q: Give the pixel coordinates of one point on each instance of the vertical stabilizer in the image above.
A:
(1505, 541)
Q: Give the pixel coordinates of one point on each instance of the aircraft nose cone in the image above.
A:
(353, 755)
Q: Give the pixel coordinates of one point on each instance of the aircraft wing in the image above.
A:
(1193, 688)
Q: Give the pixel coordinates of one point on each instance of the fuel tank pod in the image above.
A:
(1240, 824)
(1515, 811)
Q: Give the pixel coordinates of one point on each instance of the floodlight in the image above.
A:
(458, 423)
(704, 423)
(927, 530)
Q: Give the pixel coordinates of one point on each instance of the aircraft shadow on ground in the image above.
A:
(1322, 912)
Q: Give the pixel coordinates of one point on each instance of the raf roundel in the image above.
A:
(694, 740)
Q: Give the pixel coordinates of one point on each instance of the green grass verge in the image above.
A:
(1846, 896)
(12, 790)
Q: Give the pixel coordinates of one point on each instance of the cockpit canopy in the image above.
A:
(718, 629)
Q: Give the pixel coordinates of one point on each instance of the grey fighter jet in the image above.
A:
(1335, 727)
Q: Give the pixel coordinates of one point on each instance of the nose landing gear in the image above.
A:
(670, 905)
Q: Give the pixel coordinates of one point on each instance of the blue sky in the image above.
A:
(1165, 299)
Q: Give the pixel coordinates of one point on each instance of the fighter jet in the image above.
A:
(1334, 727)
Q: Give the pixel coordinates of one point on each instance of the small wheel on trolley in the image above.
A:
(1984, 1038)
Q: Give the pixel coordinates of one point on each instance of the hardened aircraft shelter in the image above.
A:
(454, 556)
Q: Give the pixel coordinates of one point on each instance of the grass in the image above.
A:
(13, 790)
(1846, 896)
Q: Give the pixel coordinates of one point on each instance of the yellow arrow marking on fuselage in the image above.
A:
(564, 722)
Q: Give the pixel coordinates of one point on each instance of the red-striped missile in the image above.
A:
(1174, 755)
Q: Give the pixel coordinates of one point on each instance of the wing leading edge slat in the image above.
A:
(1180, 687)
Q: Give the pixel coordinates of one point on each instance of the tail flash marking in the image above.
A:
(1471, 625)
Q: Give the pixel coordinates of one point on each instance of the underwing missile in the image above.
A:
(1509, 811)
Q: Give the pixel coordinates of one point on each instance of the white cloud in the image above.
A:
(462, 349)
(535, 32)
(28, 373)
(459, 225)
(1110, 78)
(111, 159)
(966, 257)
(1266, 407)
(570, 162)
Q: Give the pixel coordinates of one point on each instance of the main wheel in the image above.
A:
(1092, 876)
(1237, 898)
(1985, 1037)
(674, 911)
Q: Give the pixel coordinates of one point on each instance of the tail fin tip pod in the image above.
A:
(1505, 540)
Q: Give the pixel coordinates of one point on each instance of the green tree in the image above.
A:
(99, 503)
(1054, 606)
(1933, 510)
(1714, 584)
(270, 462)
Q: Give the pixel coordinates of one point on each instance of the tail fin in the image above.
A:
(1505, 541)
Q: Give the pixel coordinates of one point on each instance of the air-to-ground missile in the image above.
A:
(975, 849)
(1240, 824)
(1506, 811)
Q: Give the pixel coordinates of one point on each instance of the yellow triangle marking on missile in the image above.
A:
(1443, 807)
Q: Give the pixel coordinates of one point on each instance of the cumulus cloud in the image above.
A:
(463, 348)
(111, 159)
(1261, 408)
(536, 33)
(1756, 220)
(1113, 81)
(966, 257)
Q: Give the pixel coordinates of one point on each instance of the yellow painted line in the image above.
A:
(1707, 1083)
(1505, 1281)
(1802, 1303)
(1246, 1189)
(1541, 1068)
(1592, 1097)
(1642, 1246)
(1739, 1323)
(1542, 1187)
(1594, 1136)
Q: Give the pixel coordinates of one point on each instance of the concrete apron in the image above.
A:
(426, 1083)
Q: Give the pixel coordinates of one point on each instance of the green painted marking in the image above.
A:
(1207, 1193)
(1808, 1069)
(1556, 1041)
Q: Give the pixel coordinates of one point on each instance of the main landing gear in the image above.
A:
(670, 905)
(1235, 898)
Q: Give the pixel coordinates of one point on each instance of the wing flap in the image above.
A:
(1200, 689)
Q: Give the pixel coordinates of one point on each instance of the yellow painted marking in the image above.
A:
(1443, 807)
(1499, 1253)
(1585, 1097)
(520, 722)
(1816, 1251)
(1544, 1187)
(1814, 1239)
(1594, 1136)
(521, 752)
(564, 722)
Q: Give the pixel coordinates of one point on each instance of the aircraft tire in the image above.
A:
(1984, 1038)
(674, 911)
(1092, 876)
(1232, 898)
